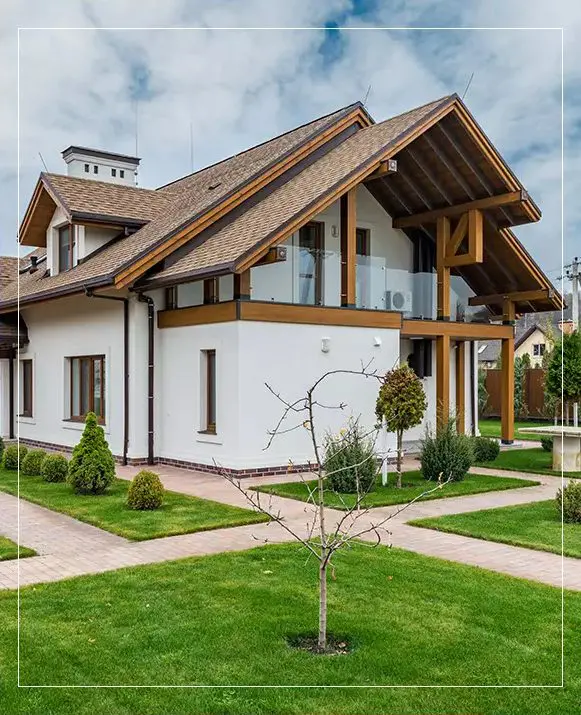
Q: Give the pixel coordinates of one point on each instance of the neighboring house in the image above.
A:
(340, 243)
(532, 341)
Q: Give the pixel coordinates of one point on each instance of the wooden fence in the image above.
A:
(534, 394)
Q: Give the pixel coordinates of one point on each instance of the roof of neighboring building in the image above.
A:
(522, 331)
(222, 218)
(99, 153)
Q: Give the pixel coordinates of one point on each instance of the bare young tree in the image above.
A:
(324, 536)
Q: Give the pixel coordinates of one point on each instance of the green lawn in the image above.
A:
(180, 514)
(413, 486)
(534, 460)
(491, 428)
(9, 550)
(535, 526)
(224, 620)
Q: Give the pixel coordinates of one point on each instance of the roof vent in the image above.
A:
(101, 165)
(214, 186)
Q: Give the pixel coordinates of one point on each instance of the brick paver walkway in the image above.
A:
(69, 548)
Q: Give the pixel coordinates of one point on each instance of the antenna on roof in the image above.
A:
(468, 85)
(43, 162)
(136, 135)
(366, 96)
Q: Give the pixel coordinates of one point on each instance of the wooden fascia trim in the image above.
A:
(515, 297)
(197, 315)
(524, 256)
(255, 254)
(161, 251)
(431, 216)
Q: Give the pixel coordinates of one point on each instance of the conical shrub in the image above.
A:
(92, 467)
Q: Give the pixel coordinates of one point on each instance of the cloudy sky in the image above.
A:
(236, 87)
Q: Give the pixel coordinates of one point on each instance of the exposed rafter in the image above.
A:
(522, 296)
(431, 216)
(385, 168)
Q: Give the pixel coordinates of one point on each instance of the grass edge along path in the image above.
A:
(536, 526)
(179, 514)
(389, 496)
(10, 550)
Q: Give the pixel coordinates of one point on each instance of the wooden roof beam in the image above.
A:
(427, 173)
(487, 203)
(522, 296)
(387, 167)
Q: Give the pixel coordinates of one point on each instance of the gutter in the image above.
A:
(150, 374)
(89, 293)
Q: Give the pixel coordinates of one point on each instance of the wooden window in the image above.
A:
(363, 277)
(87, 386)
(26, 388)
(212, 290)
(67, 252)
(311, 244)
(209, 392)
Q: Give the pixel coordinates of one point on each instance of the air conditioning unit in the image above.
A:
(400, 300)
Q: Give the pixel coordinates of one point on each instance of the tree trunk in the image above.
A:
(322, 643)
(398, 463)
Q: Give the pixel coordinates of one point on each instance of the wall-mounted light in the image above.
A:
(325, 345)
(334, 231)
(377, 341)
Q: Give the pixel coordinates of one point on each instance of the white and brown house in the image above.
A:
(341, 242)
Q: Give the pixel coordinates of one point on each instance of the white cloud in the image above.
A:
(239, 87)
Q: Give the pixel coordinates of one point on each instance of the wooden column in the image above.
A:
(442, 380)
(242, 285)
(508, 312)
(348, 247)
(507, 391)
(460, 387)
(443, 271)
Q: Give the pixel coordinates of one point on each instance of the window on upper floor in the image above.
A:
(26, 387)
(95, 169)
(67, 250)
(86, 168)
(87, 386)
(311, 243)
(113, 172)
(538, 349)
(122, 173)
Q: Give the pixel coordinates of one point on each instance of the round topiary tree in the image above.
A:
(32, 462)
(563, 376)
(400, 405)
(145, 491)
(485, 449)
(92, 467)
(54, 468)
(13, 456)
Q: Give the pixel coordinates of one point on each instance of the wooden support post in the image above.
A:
(507, 392)
(348, 247)
(508, 312)
(242, 285)
(460, 387)
(442, 380)
(476, 235)
(443, 271)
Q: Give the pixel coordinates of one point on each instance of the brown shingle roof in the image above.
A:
(229, 244)
(100, 198)
(185, 199)
(8, 270)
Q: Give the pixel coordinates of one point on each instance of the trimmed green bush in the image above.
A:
(54, 468)
(446, 455)
(547, 444)
(146, 491)
(485, 449)
(13, 456)
(1, 448)
(570, 498)
(350, 462)
(32, 462)
(92, 467)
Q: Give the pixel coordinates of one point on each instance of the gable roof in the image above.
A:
(224, 217)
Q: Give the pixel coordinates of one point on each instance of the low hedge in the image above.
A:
(54, 468)
(13, 456)
(32, 462)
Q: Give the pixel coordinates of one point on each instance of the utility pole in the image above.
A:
(572, 273)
